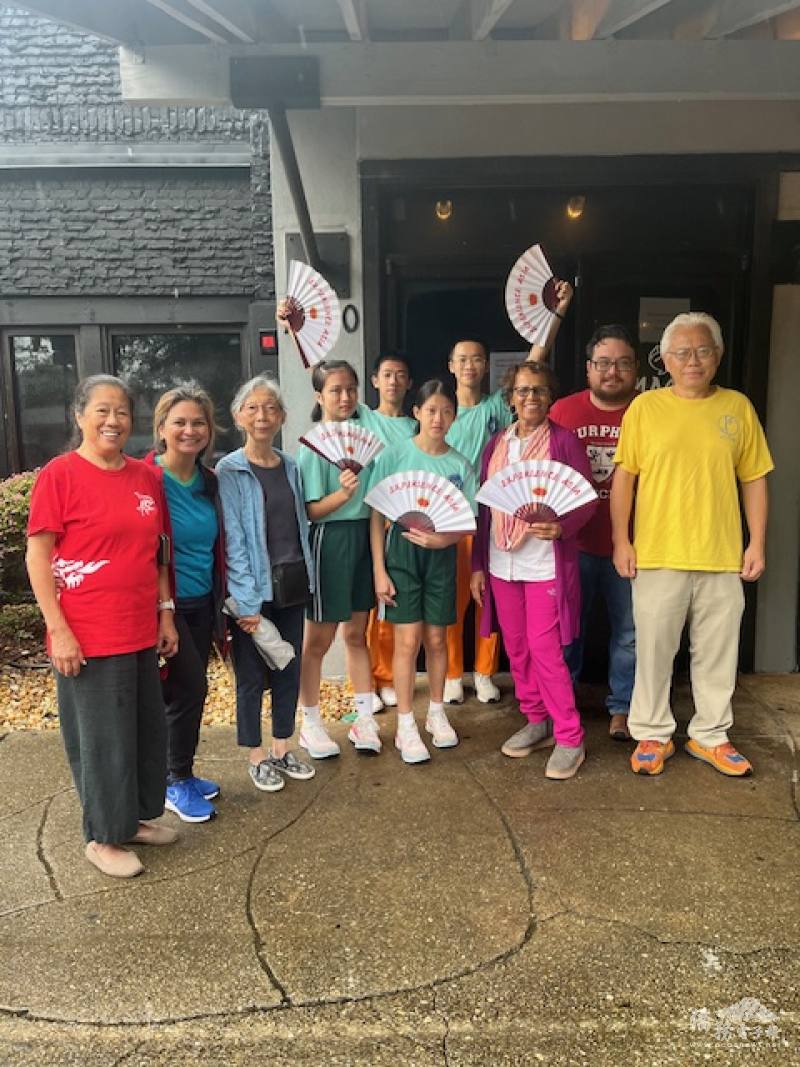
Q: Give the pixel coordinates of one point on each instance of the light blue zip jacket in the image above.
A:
(249, 569)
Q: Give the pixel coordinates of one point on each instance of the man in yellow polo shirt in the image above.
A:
(685, 450)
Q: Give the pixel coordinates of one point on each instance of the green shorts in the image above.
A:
(425, 580)
(343, 581)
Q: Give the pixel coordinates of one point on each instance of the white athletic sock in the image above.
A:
(364, 706)
(311, 715)
(434, 706)
(405, 720)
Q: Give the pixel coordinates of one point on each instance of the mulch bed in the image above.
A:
(28, 694)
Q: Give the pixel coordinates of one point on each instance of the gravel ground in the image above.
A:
(28, 693)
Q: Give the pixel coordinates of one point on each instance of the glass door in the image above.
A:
(41, 375)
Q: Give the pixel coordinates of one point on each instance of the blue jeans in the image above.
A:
(598, 574)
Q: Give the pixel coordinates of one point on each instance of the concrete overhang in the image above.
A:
(462, 52)
(492, 72)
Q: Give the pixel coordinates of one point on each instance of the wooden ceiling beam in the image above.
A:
(620, 14)
(235, 29)
(484, 16)
(732, 16)
(186, 20)
(354, 16)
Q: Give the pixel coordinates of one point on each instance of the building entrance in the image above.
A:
(637, 254)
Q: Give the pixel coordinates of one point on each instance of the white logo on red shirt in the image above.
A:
(146, 504)
(70, 573)
(602, 462)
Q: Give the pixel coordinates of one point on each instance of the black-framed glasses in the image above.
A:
(624, 365)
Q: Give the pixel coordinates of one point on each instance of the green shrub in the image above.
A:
(21, 621)
(15, 500)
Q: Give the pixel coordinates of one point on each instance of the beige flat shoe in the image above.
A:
(153, 833)
(618, 728)
(121, 864)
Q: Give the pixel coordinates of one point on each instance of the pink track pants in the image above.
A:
(528, 616)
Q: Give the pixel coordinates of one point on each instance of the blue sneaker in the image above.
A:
(183, 798)
(205, 787)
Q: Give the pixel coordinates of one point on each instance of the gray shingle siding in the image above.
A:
(118, 231)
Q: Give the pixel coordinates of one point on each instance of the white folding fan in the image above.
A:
(536, 490)
(531, 296)
(314, 316)
(344, 444)
(420, 500)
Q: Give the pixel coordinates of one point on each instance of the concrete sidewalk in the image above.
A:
(463, 912)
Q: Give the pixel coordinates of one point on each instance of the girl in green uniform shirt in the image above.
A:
(339, 539)
(415, 573)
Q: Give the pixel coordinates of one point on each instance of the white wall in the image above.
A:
(325, 143)
(776, 621)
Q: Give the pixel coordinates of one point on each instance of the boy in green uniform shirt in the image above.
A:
(478, 418)
(392, 379)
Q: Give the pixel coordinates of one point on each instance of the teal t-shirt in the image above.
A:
(406, 456)
(194, 530)
(320, 478)
(390, 429)
(474, 426)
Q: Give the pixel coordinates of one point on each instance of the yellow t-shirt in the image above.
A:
(688, 455)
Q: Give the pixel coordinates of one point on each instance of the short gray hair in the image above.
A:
(261, 381)
(686, 321)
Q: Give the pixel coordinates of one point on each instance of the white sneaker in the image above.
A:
(315, 740)
(388, 696)
(438, 725)
(453, 691)
(412, 747)
(377, 704)
(364, 735)
(485, 689)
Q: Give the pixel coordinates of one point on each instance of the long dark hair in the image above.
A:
(435, 387)
(319, 376)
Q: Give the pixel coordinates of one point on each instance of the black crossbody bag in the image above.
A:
(290, 584)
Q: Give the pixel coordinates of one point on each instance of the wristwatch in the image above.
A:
(166, 605)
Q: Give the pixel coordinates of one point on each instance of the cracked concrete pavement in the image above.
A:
(463, 912)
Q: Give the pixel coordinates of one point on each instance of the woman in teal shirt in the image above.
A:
(183, 429)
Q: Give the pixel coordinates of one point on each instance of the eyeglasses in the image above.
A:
(622, 365)
(538, 392)
(704, 353)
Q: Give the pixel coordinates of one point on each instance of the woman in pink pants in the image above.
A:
(526, 577)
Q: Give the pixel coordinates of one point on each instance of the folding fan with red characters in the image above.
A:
(536, 490)
(420, 500)
(531, 298)
(314, 317)
(344, 444)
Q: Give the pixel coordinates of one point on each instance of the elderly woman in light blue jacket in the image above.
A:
(269, 575)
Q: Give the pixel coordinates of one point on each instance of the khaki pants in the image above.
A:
(663, 600)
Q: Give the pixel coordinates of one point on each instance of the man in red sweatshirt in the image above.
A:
(595, 415)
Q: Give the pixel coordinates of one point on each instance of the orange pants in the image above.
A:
(380, 638)
(487, 651)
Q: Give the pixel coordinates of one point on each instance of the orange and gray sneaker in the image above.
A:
(649, 756)
(723, 758)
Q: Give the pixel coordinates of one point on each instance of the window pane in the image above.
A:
(154, 363)
(44, 383)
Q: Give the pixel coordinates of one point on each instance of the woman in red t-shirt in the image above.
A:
(95, 526)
